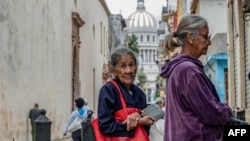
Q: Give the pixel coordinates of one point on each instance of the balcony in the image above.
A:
(167, 12)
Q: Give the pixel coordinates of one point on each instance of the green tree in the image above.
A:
(157, 94)
(142, 77)
(133, 44)
(158, 83)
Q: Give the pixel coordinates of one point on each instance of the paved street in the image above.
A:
(65, 139)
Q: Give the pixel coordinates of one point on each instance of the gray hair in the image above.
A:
(158, 100)
(120, 52)
(189, 23)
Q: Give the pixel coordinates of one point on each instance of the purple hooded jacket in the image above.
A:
(193, 108)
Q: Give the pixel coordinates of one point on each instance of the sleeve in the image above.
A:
(71, 118)
(108, 104)
(201, 98)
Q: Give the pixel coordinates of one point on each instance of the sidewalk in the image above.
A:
(64, 139)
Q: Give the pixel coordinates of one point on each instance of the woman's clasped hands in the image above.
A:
(135, 119)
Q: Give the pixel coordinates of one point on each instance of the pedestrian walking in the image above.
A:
(81, 114)
(34, 113)
(193, 108)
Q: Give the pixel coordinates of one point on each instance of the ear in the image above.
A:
(113, 71)
(190, 37)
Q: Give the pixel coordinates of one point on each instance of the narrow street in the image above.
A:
(54, 51)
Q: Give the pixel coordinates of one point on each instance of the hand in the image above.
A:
(146, 120)
(132, 120)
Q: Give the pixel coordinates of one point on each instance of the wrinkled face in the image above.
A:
(126, 69)
(201, 42)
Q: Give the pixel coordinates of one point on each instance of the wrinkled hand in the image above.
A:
(146, 120)
(132, 121)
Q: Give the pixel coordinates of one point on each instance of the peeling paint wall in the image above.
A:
(36, 62)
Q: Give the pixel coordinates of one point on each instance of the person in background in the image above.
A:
(81, 113)
(124, 68)
(159, 102)
(86, 101)
(193, 108)
(157, 129)
(34, 113)
(87, 108)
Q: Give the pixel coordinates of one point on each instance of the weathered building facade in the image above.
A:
(239, 57)
(51, 52)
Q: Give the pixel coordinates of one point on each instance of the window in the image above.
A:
(141, 38)
(94, 32)
(101, 32)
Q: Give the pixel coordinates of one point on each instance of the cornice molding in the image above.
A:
(77, 19)
(105, 7)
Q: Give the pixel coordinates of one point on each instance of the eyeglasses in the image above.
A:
(206, 37)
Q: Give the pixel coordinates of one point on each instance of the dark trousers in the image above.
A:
(77, 135)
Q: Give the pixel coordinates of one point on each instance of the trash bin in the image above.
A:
(42, 127)
(88, 133)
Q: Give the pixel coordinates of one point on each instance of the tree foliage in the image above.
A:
(157, 94)
(142, 77)
(133, 44)
(158, 84)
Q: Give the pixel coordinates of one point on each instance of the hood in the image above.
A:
(170, 65)
(81, 112)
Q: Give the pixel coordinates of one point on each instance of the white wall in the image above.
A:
(215, 12)
(36, 61)
(91, 56)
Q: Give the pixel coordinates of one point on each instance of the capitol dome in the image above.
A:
(141, 18)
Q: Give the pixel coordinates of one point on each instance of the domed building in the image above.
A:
(144, 26)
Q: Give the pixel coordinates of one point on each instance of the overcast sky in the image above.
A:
(127, 7)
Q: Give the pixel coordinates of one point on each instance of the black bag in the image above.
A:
(235, 121)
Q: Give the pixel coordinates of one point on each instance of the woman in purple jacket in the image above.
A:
(193, 108)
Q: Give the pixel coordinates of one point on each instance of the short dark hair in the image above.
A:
(36, 105)
(79, 102)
